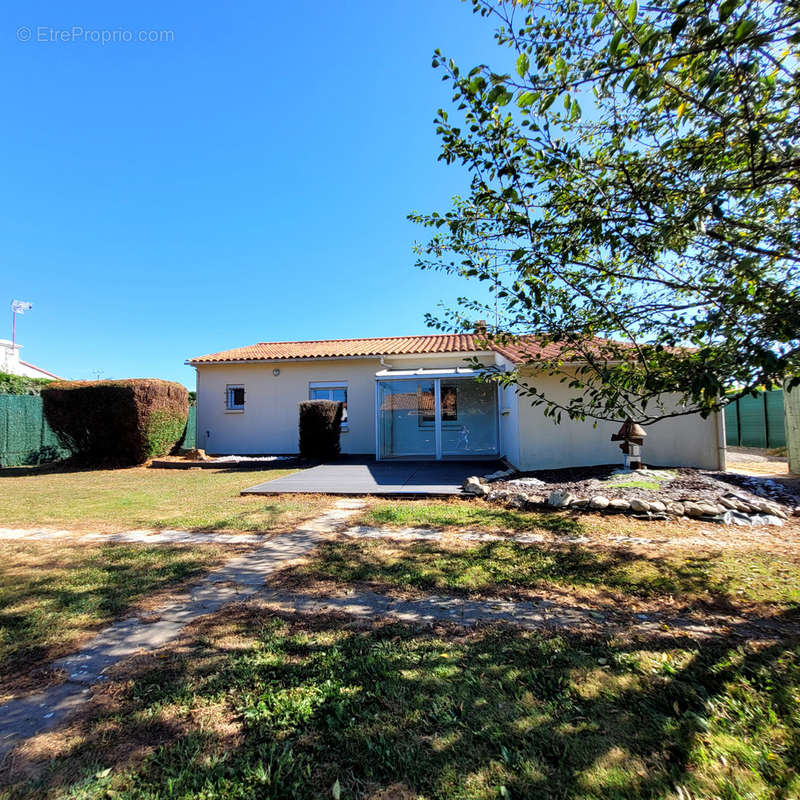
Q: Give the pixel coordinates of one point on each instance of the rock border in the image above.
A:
(729, 509)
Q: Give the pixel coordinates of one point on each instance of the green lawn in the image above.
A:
(148, 498)
(53, 594)
(721, 577)
(464, 514)
(257, 706)
(474, 514)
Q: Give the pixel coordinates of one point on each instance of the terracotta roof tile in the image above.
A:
(518, 351)
(344, 348)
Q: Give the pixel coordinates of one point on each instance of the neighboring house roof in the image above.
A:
(39, 369)
(518, 351)
(409, 401)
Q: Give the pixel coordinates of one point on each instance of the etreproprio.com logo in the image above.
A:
(102, 36)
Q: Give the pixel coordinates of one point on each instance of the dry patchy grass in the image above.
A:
(457, 514)
(54, 595)
(625, 579)
(139, 497)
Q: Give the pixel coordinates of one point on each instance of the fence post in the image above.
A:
(738, 425)
(791, 408)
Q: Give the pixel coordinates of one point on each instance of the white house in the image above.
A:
(416, 397)
(11, 362)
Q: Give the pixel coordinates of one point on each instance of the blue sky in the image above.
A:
(248, 180)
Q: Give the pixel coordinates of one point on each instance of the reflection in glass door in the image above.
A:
(469, 418)
(406, 419)
(437, 417)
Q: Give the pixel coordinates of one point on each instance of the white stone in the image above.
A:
(657, 506)
(618, 504)
(524, 483)
(473, 485)
(559, 499)
(639, 505)
(599, 502)
(692, 509)
(499, 475)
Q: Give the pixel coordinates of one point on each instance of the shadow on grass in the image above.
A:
(61, 598)
(70, 466)
(506, 566)
(442, 712)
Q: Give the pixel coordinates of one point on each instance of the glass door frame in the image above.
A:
(437, 379)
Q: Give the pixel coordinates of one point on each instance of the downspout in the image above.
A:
(722, 444)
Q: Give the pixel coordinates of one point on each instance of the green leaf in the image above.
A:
(547, 102)
(499, 95)
(527, 99)
(677, 26)
(726, 9)
(633, 10)
(523, 62)
(336, 790)
(614, 43)
(744, 29)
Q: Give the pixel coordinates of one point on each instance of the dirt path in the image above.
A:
(138, 536)
(430, 609)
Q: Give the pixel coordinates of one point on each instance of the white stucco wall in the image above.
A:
(10, 362)
(509, 425)
(686, 441)
(269, 422)
(528, 439)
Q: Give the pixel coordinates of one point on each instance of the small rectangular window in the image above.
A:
(234, 397)
(337, 393)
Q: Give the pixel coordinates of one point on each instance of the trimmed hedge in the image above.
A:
(123, 422)
(320, 429)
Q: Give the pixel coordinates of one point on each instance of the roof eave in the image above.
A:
(375, 357)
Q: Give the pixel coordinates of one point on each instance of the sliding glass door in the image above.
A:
(431, 418)
(469, 418)
(406, 419)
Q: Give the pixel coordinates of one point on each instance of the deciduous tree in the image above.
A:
(635, 177)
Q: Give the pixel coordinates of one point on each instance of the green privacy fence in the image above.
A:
(756, 421)
(26, 438)
(189, 441)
